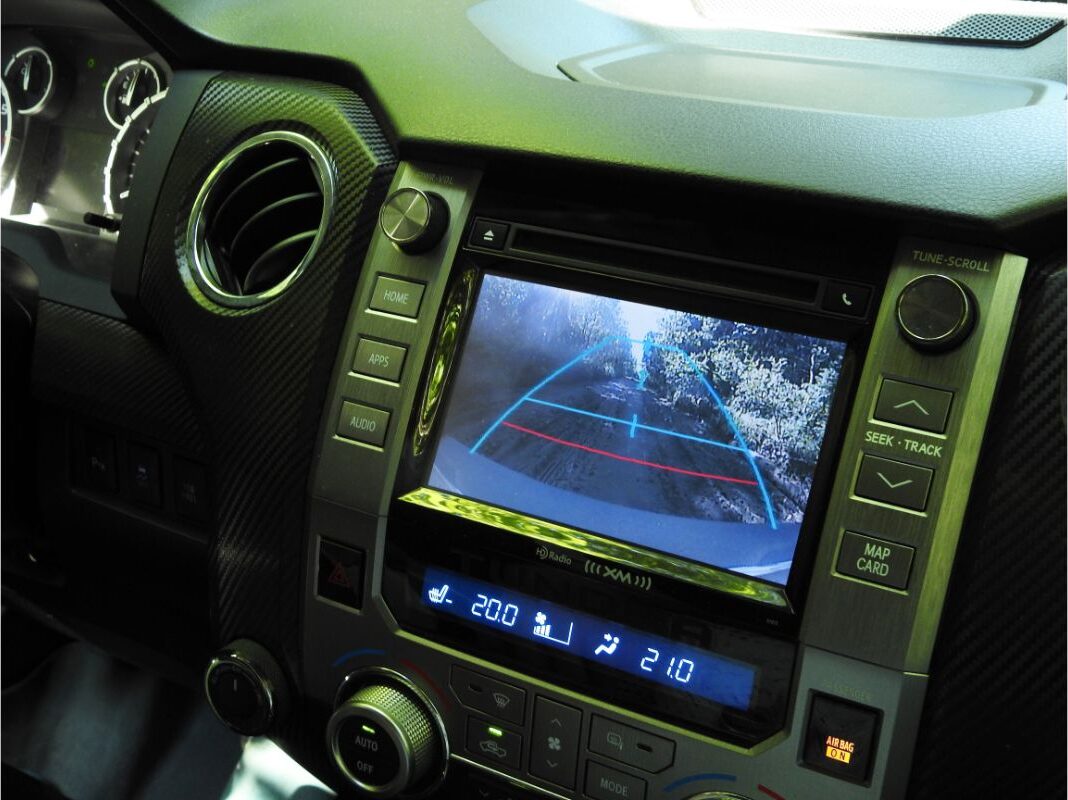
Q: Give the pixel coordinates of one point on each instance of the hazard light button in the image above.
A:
(340, 578)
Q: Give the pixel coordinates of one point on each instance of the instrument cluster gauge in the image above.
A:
(126, 147)
(30, 78)
(11, 136)
(130, 84)
(7, 122)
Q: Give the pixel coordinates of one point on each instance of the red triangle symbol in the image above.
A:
(339, 577)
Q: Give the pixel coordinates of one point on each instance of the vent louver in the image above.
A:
(259, 218)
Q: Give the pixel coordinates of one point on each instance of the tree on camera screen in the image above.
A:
(677, 432)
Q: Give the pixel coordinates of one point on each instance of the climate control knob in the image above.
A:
(414, 220)
(935, 312)
(386, 739)
(245, 687)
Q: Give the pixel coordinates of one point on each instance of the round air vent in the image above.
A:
(259, 218)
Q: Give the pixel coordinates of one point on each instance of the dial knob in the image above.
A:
(385, 739)
(414, 220)
(935, 312)
(245, 687)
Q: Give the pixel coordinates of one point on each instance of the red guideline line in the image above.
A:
(629, 460)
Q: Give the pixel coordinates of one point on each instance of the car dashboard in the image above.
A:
(590, 401)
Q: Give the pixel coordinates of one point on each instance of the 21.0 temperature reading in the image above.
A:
(678, 669)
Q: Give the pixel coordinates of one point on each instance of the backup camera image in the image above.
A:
(687, 434)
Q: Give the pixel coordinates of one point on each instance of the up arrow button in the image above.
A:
(912, 406)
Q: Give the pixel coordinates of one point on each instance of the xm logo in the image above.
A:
(619, 575)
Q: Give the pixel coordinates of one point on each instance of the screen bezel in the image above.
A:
(416, 464)
(766, 634)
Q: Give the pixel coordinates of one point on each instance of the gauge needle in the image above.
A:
(128, 97)
(26, 75)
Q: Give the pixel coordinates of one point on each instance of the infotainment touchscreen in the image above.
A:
(671, 431)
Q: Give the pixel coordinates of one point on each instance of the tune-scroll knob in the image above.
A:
(935, 312)
(245, 687)
(414, 220)
(386, 740)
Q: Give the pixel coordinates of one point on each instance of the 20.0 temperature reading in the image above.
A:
(678, 669)
(494, 610)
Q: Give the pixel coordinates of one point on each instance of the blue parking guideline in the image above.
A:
(535, 388)
(742, 447)
(738, 435)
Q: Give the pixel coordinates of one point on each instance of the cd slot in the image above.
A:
(683, 270)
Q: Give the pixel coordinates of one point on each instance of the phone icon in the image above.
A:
(845, 299)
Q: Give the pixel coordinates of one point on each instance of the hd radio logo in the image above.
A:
(547, 554)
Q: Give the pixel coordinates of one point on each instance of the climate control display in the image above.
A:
(689, 669)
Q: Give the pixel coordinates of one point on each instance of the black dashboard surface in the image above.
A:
(133, 355)
(440, 81)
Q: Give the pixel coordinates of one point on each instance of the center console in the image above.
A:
(601, 519)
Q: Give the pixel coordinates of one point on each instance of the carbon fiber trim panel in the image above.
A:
(124, 379)
(259, 376)
(995, 707)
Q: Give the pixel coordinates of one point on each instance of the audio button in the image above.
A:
(361, 423)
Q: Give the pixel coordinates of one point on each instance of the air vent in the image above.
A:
(259, 218)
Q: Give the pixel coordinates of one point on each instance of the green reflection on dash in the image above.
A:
(601, 547)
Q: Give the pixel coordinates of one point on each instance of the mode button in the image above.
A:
(604, 783)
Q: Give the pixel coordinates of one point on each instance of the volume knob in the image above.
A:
(385, 740)
(414, 220)
(935, 312)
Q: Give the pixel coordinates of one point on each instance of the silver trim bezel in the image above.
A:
(963, 322)
(402, 241)
(196, 238)
(39, 106)
(133, 62)
(346, 690)
(234, 658)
